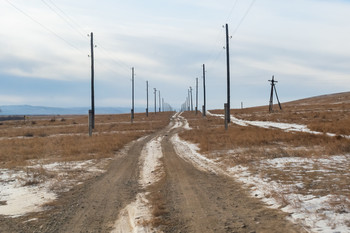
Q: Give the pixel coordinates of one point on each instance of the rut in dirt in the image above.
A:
(185, 199)
(193, 200)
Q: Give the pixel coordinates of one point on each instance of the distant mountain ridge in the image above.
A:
(12, 110)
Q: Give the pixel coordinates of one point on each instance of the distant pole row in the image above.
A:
(188, 104)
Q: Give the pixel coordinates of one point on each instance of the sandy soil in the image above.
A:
(183, 199)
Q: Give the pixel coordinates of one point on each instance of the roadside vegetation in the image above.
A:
(65, 138)
(327, 114)
(301, 171)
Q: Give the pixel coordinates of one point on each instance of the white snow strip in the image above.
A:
(188, 151)
(136, 216)
(151, 168)
(269, 124)
(314, 212)
(311, 211)
(186, 125)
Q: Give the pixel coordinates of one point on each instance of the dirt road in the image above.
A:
(185, 199)
(200, 201)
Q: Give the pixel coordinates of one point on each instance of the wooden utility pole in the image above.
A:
(228, 74)
(132, 94)
(92, 82)
(159, 101)
(273, 87)
(147, 98)
(191, 99)
(204, 109)
(196, 96)
(155, 101)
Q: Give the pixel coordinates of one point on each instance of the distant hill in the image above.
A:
(337, 98)
(12, 110)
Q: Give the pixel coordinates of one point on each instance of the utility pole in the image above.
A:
(273, 87)
(162, 104)
(155, 100)
(228, 74)
(204, 94)
(159, 101)
(147, 98)
(196, 96)
(132, 94)
(92, 82)
(191, 99)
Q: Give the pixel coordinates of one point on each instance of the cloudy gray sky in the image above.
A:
(44, 50)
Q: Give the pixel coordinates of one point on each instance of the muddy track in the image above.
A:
(91, 207)
(199, 201)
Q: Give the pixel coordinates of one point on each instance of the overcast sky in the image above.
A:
(44, 50)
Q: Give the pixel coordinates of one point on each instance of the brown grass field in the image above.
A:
(252, 146)
(328, 113)
(65, 138)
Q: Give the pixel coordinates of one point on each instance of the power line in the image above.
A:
(233, 8)
(75, 26)
(66, 19)
(242, 19)
(69, 18)
(43, 26)
(116, 60)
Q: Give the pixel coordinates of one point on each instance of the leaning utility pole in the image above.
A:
(147, 98)
(228, 74)
(204, 108)
(159, 101)
(155, 100)
(273, 87)
(92, 82)
(196, 96)
(132, 94)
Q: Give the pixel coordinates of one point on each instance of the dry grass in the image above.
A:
(314, 171)
(324, 114)
(66, 139)
(254, 143)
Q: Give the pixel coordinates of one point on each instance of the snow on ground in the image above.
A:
(315, 212)
(312, 209)
(151, 168)
(179, 121)
(27, 190)
(269, 124)
(188, 152)
(136, 216)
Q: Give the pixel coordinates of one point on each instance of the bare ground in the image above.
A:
(185, 200)
(199, 201)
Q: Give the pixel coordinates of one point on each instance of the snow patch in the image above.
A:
(134, 217)
(22, 192)
(150, 162)
(315, 212)
(288, 127)
(18, 199)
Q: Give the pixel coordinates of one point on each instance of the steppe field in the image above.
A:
(286, 171)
